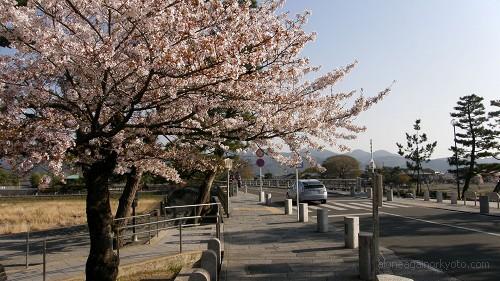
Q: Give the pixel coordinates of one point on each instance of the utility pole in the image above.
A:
(377, 184)
(297, 192)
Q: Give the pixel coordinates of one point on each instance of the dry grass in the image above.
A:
(41, 214)
(158, 269)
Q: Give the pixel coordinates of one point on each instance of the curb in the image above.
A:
(454, 210)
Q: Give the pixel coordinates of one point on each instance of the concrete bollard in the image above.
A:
(322, 220)
(390, 195)
(303, 212)
(426, 195)
(365, 255)
(268, 199)
(209, 263)
(439, 196)
(215, 245)
(262, 197)
(484, 205)
(288, 206)
(351, 231)
(454, 198)
(369, 192)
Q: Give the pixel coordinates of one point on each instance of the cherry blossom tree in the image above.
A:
(102, 83)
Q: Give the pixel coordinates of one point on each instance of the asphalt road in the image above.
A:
(465, 246)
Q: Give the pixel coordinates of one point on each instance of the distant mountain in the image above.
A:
(382, 158)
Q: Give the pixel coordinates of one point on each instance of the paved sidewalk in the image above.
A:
(70, 262)
(261, 243)
(446, 205)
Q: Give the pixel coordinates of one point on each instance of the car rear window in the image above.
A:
(312, 186)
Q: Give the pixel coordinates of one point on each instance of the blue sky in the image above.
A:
(436, 50)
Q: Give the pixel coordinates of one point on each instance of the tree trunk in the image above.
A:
(418, 182)
(102, 263)
(126, 199)
(206, 190)
(470, 172)
(497, 187)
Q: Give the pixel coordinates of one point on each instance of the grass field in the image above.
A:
(40, 214)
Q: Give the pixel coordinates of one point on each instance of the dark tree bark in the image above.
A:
(102, 263)
(497, 187)
(206, 190)
(125, 203)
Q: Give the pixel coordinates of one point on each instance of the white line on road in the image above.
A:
(396, 205)
(347, 215)
(350, 206)
(329, 206)
(444, 224)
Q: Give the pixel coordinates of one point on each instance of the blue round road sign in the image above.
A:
(260, 162)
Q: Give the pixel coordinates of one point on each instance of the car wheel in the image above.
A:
(323, 201)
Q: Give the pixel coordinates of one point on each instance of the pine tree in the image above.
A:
(473, 136)
(418, 150)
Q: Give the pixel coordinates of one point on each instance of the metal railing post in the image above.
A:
(217, 227)
(27, 247)
(180, 237)
(117, 235)
(165, 218)
(44, 259)
(149, 228)
(157, 223)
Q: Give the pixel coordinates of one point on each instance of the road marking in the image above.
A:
(356, 206)
(444, 224)
(352, 206)
(347, 215)
(329, 206)
(384, 205)
(396, 205)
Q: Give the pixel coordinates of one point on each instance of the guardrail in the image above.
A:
(166, 224)
(344, 184)
(150, 223)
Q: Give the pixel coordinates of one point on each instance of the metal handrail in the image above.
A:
(194, 205)
(131, 217)
(163, 221)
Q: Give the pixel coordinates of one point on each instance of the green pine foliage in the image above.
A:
(474, 139)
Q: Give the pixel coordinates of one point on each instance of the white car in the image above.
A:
(309, 190)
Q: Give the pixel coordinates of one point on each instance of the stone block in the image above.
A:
(351, 231)
(322, 220)
(209, 263)
(303, 212)
(365, 255)
(215, 245)
(288, 206)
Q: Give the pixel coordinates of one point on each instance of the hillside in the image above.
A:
(381, 157)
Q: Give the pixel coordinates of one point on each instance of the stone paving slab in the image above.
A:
(261, 244)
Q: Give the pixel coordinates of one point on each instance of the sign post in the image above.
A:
(300, 165)
(260, 162)
(228, 162)
(377, 183)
